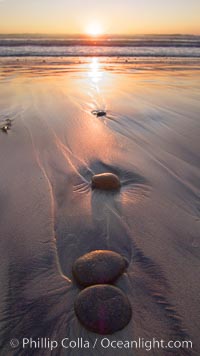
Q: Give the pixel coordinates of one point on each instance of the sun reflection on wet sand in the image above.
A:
(95, 72)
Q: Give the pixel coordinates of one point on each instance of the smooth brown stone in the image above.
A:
(106, 181)
(98, 267)
(103, 309)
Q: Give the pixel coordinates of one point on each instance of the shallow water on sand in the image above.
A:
(50, 216)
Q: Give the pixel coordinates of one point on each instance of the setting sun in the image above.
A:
(94, 29)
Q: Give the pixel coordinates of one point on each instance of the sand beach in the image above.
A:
(51, 216)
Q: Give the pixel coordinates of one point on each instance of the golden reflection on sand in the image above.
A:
(95, 70)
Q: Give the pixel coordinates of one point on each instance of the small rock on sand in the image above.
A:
(99, 113)
(5, 128)
(5, 125)
(98, 267)
(103, 309)
(106, 181)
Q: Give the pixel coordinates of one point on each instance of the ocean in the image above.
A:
(187, 46)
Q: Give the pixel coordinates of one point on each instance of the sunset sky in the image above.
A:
(107, 16)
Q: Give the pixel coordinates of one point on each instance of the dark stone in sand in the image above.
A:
(99, 113)
(103, 309)
(6, 125)
(5, 129)
(98, 267)
(106, 181)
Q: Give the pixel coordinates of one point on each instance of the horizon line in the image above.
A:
(97, 36)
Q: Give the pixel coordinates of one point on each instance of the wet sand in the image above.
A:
(50, 216)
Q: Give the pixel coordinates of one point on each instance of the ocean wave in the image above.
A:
(107, 41)
(112, 46)
(87, 51)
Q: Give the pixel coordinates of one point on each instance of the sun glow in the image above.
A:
(94, 29)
